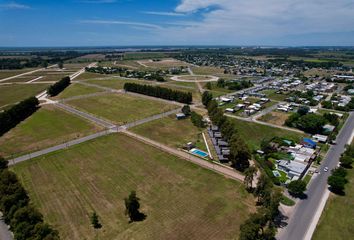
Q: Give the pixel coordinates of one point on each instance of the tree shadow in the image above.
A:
(139, 217)
(281, 220)
(337, 192)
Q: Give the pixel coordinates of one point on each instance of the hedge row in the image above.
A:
(58, 87)
(19, 112)
(159, 92)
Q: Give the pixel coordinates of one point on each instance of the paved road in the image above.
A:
(5, 233)
(305, 211)
(219, 168)
(87, 116)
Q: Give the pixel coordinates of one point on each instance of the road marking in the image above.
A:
(31, 81)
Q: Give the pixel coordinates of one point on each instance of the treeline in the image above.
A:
(233, 85)
(239, 151)
(58, 87)
(338, 179)
(39, 59)
(159, 92)
(17, 113)
(25, 222)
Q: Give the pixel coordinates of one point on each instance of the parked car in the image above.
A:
(325, 169)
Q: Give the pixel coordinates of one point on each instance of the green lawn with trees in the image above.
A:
(187, 200)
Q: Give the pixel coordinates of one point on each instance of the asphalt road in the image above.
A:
(303, 216)
(5, 233)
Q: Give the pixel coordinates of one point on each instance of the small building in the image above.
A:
(320, 138)
(307, 142)
(225, 99)
(328, 128)
(180, 116)
(292, 168)
(230, 110)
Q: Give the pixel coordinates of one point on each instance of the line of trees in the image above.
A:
(338, 180)
(17, 113)
(25, 222)
(159, 92)
(239, 151)
(262, 225)
(197, 120)
(58, 87)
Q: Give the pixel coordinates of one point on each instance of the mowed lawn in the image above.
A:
(171, 132)
(76, 89)
(118, 83)
(11, 94)
(336, 222)
(46, 127)
(254, 133)
(121, 108)
(181, 200)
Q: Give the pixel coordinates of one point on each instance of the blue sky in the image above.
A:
(176, 22)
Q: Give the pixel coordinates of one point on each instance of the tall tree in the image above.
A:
(250, 173)
(132, 206)
(95, 221)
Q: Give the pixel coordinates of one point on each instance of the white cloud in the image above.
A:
(13, 6)
(243, 21)
(173, 14)
(114, 22)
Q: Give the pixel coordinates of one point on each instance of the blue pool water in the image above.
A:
(199, 152)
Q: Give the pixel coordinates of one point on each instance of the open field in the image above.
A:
(10, 73)
(121, 108)
(254, 133)
(194, 77)
(163, 63)
(11, 94)
(117, 83)
(144, 55)
(77, 89)
(186, 84)
(207, 70)
(275, 117)
(171, 132)
(89, 75)
(275, 96)
(181, 200)
(47, 127)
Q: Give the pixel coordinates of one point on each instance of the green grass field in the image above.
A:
(118, 83)
(254, 133)
(181, 200)
(47, 127)
(11, 94)
(121, 108)
(337, 219)
(275, 96)
(171, 132)
(76, 89)
(10, 73)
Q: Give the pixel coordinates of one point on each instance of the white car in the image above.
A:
(325, 169)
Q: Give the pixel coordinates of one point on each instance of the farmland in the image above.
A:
(77, 89)
(171, 132)
(121, 108)
(45, 128)
(188, 201)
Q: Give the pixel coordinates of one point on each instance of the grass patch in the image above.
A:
(76, 89)
(121, 108)
(47, 127)
(181, 200)
(117, 83)
(254, 133)
(171, 132)
(271, 94)
(11, 94)
(287, 201)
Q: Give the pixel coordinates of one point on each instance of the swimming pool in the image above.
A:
(199, 152)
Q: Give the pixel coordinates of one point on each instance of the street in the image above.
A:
(305, 211)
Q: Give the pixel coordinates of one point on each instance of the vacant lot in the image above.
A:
(171, 132)
(181, 200)
(88, 75)
(10, 73)
(207, 70)
(194, 77)
(277, 118)
(11, 94)
(47, 127)
(275, 96)
(77, 89)
(163, 63)
(336, 222)
(118, 83)
(121, 108)
(254, 133)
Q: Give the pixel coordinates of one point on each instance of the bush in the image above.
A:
(297, 188)
(197, 120)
